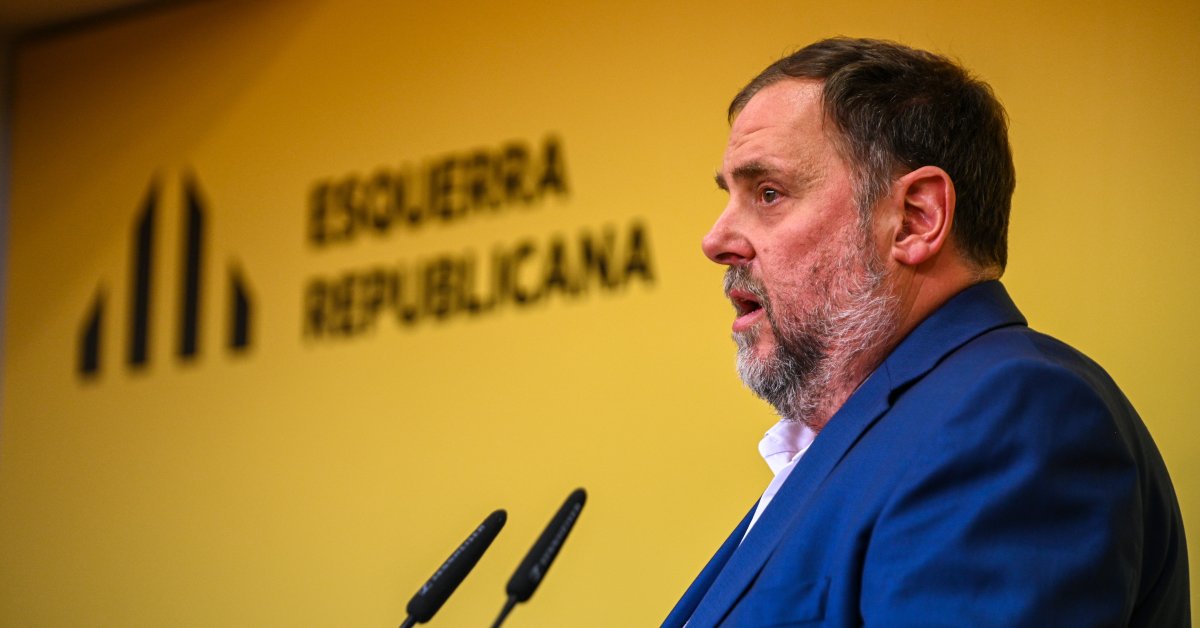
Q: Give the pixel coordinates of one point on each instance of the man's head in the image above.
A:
(841, 231)
(894, 109)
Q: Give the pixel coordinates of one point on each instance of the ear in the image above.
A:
(927, 198)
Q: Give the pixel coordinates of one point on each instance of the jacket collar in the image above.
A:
(970, 313)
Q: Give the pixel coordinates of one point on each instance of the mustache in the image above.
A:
(740, 278)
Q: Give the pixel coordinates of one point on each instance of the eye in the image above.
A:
(768, 195)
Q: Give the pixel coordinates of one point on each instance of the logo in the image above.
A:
(142, 274)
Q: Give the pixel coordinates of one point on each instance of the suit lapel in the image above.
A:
(830, 446)
(687, 604)
(974, 311)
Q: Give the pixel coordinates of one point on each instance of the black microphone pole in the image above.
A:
(433, 594)
(530, 572)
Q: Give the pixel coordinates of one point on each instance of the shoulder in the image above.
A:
(1014, 374)
(1024, 452)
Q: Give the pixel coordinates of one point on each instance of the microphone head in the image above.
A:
(530, 572)
(433, 594)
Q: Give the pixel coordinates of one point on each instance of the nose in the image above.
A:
(725, 243)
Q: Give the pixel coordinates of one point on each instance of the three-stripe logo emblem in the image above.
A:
(142, 278)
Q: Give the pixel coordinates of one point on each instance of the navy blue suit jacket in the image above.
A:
(983, 475)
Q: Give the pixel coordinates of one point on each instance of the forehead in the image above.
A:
(789, 101)
(782, 127)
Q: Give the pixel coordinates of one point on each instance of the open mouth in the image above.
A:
(744, 303)
(748, 309)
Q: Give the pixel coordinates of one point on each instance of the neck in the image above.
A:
(908, 297)
(853, 365)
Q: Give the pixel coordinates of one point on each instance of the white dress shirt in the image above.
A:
(782, 447)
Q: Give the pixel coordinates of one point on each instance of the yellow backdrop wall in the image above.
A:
(446, 259)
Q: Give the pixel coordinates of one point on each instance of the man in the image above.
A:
(938, 463)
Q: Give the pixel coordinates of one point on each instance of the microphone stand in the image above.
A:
(508, 606)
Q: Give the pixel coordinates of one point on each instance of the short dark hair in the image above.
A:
(897, 109)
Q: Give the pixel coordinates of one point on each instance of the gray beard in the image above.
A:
(815, 351)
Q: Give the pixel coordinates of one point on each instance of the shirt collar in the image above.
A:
(783, 442)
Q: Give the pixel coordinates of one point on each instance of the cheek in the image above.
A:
(797, 263)
(800, 284)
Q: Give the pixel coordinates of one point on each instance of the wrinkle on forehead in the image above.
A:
(785, 103)
(779, 131)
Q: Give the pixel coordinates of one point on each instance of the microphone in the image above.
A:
(533, 569)
(433, 594)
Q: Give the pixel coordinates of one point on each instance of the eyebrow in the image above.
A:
(750, 170)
